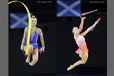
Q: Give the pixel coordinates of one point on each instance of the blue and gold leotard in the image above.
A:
(33, 40)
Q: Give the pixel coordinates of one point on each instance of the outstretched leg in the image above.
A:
(83, 60)
(91, 27)
(34, 57)
(30, 50)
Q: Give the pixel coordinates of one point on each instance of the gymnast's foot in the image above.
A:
(31, 64)
(28, 60)
(70, 67)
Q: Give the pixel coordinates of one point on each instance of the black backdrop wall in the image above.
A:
(46, 21)
(96, 42)
(47, 60)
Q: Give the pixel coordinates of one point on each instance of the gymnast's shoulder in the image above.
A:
(26, 28)
(38, 29)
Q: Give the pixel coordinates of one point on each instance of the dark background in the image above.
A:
(96, 40)
(46, 14)
(60, 45)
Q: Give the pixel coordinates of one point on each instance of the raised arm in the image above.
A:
(42, 40)
(90, 28)
(81, 24)
(24, 38)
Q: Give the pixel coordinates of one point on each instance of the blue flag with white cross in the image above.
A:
(68, 8)
(18, 20)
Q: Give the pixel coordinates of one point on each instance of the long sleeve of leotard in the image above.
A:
(81, 26)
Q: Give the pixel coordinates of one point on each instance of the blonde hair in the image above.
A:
(33, 16)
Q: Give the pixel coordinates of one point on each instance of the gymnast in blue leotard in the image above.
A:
(33, 46)
(33, 40)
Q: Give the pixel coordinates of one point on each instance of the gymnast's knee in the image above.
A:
(30, 48)
(84, 61)
(36, 59)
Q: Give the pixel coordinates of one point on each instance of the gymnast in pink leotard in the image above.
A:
(80, 41)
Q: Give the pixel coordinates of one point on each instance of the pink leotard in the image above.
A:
(81, 39)
(79, 42)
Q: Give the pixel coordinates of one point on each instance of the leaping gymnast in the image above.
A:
(80, 41)
(33, 46)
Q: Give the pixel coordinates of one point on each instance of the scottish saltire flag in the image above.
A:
(18, 20)
(68, 8)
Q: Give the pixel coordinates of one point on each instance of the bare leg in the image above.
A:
(82, 61)
(90, 28)
(34, 57)
(30, 50)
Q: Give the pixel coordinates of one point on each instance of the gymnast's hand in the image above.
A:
(22, 48)
(41, 49)
(82, 18)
